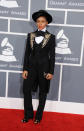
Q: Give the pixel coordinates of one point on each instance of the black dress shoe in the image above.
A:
(26, 120)
(36, 121)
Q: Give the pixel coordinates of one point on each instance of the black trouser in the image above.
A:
(28, 108)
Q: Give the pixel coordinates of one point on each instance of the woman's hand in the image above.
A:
(49, 76)
(25, 74)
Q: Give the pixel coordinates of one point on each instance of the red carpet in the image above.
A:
(10, 120)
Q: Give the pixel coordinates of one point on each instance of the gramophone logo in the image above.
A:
(7, 51)
(9, 4)
(62, 43)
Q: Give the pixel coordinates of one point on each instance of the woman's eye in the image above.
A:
(41, 22)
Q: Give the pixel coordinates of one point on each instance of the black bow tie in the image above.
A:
(40, 33)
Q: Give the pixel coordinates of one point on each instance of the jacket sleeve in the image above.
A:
(52, 55)
(27, 53)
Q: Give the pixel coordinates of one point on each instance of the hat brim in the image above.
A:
(42, 13)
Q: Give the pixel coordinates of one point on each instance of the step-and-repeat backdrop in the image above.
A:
(67, 86)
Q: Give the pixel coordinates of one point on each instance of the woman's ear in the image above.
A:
(36, 23)
(47, 22)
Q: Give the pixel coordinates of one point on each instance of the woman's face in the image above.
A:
(41, 22)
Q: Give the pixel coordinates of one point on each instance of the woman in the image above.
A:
(38, 67)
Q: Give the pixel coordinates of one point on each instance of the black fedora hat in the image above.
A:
(44, 13)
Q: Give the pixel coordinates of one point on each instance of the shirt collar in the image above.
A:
(44, 29)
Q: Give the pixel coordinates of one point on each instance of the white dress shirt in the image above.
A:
(39, 39)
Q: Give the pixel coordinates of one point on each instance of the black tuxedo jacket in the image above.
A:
(46, 52)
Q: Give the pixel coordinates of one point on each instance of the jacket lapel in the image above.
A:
(46, 38)
(45, 41)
